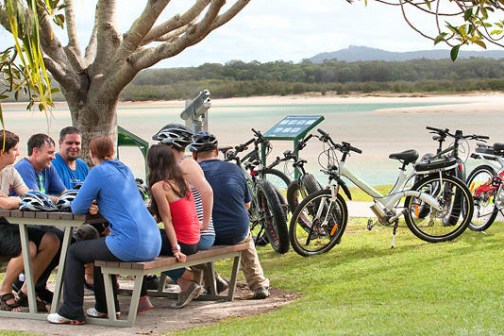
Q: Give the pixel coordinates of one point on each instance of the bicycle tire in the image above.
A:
(328, 222)
(434, 227)
(456, 209)
(272, 216)
(485, 206)
(277, 178)
(309, 184)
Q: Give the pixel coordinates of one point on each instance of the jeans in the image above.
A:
(79, 254)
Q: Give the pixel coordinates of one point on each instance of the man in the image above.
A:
(39, 175)
(71, 169)
(231, 202)
(45, 244)
(37, 171)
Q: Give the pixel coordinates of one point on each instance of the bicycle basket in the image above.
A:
(436, 165)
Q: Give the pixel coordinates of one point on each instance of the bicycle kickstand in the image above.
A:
(394, 232)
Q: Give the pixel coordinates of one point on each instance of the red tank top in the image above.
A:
(185, 220)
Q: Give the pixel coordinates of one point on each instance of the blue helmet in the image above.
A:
(36, 201)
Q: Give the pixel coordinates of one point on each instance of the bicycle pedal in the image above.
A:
(370, 224)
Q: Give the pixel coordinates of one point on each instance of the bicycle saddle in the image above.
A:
(407, 156)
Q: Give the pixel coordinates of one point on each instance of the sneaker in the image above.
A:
(221, 283)
(92, 312)
(144, 304)
(186, 296)
(151, 282)
(56, 318)
(261, 293)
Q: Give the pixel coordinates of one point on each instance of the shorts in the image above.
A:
(10, 239)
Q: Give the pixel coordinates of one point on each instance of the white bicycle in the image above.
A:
(439, 195)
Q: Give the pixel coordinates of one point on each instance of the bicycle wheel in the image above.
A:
(480, 183)
(271, 216)
(437, 226)
(324, 222)
(297, 191)
(277, 178)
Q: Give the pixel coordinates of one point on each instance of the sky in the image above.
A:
(288, 30)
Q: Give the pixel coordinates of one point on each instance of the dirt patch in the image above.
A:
(162, 319)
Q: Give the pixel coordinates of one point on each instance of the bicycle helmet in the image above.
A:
(36, 201)
(174, 134)
(203, 141)
(65, 200)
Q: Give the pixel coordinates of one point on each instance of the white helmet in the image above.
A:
(65, 200)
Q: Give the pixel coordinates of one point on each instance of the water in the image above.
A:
(368, 126)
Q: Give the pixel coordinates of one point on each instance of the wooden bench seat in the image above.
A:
(162, 264)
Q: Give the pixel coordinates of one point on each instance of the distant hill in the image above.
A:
(358, 53)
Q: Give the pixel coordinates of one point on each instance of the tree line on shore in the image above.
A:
(241, 79)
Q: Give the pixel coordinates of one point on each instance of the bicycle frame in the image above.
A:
(389, 201)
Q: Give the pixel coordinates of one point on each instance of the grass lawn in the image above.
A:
(362, 287)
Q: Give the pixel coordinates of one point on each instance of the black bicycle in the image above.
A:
(268, 207)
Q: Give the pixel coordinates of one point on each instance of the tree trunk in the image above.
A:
(94, 118)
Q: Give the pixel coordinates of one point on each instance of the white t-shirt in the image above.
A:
(10, 180)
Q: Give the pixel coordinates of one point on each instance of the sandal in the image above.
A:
(42, 306)
(8, 306)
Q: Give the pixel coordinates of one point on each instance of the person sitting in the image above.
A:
(173, 204)
(43, 245)
(71, 169)
(39, 174)
(134, 236)
(231, 201)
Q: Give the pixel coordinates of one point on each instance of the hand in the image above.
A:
(181, 257)
(93, 209)
(2, 194)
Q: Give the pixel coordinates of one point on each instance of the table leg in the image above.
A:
(61, 268)
(25, 246)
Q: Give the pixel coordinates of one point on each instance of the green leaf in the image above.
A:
(480, 43)
(496, 32)
(468, 14)
(454, 53)
(440, 38)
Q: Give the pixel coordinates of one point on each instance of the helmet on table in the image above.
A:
(176, 135)
(36, 201)
(65, 200)
(203, 141)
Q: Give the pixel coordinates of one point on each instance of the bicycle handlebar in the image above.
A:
(443, 133)
(345, 147)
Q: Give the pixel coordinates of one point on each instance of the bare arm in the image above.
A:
(9, 202)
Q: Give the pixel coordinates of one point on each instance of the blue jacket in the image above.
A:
(134, 234)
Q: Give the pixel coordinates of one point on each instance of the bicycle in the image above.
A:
(485, 184)
(328, 211)
(453, 151)
(268, 210)
(305, 183)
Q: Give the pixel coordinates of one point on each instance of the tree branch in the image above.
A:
(92, 45)
(109, 38)
(134, 36)
(176, 22)
(73, 41)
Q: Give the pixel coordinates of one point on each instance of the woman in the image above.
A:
(134, 235)
(173, 204)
